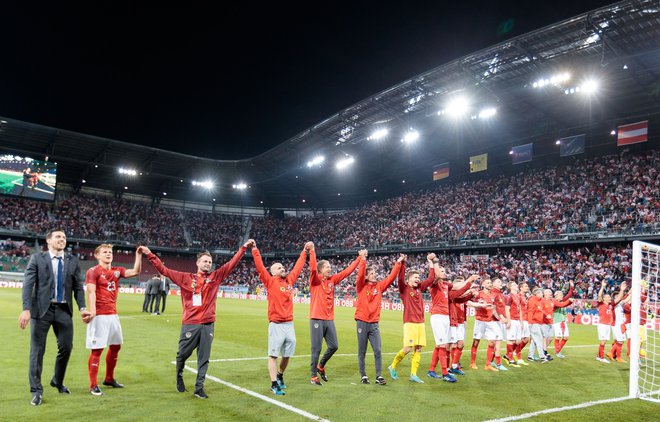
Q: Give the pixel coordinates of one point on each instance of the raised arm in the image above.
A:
(402, 276)
(600, 292)
(337, 278)
(300, 264)
(137, 266)
(313, 268)
(621, 294)
(361, 275)
(425, 284)
(264, 275)
(177, 277)
(384, 284)
(223, 271)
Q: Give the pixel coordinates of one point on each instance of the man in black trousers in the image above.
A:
(52, 280)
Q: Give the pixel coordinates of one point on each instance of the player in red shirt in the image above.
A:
(514, 330)
(281, 332)
(104, 329)
(500, 307)
(441, 324)
(525, 335)
(199, 292)
(322, 311)
(414, 332)
(367, 314)
(457, 318)
(548, 306)
(606, 318)
(485, 324)
(535, 318)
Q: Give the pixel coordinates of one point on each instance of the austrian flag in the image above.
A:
(633, 133)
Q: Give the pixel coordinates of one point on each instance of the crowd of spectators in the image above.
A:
(213, 230)
(612, 194)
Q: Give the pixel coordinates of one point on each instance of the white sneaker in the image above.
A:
(602, 360)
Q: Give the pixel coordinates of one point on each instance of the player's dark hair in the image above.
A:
(50, 232)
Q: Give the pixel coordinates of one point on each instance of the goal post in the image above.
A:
(644, 371)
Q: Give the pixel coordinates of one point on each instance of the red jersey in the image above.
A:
(500, 306)
(204, 284)
(369, 295)
(485, 314)
(523, 306)
(322, 289)
(280, 290)
(513, 302)
(549, 306)
(534, 310)
(457, 309)
(107, 286)
(440, 297)
(606, 313)
(411, 297)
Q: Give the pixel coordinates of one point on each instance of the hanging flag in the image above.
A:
(441, 171)
(572, 145)
(478, 163)
(521, 153)
(633, 133)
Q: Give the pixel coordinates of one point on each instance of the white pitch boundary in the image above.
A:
(559, 409)
(355, 354)
(261, 397)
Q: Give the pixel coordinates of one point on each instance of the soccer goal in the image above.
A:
(644, 333)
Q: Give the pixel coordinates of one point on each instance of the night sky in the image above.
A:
(234, 82)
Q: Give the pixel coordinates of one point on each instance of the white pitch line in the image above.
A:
(262, 397)
(559, 409)
(355, 354)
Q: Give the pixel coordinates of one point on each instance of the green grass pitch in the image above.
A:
(241, 332)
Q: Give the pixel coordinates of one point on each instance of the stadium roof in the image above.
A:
(531, 82)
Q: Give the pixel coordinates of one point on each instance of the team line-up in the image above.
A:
(53, 280)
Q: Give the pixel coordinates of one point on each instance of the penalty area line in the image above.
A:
(261, 397)
(559, 409)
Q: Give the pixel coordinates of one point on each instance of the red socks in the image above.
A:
(601, 351)
(443, 359)
(489, 354)
(111, 361)
(434, 359)
(93, 367)
(473, 354)
(457, 356)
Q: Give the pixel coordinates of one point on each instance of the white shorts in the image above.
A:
(604, 332)
(524, 330)
(441, 329)
(561, 332)
(503, 329)
(493, 331)
(618, 333)
(281, 339)
(514, 332)
(479, 329)
(546, 330)
(102, 331)
(457, 333)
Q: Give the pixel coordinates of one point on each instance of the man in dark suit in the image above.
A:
(52, 280)
(163, 291)
(147, 306)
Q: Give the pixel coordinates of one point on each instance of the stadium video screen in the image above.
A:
(27, 177)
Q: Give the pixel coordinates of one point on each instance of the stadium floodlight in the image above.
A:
(558, 142)
(240, 186)
(411, 136)
(511, 152)
(344, 162)
(554, 80)
(125, 187)
(127, 172)
(164, 193)
(590, 86)
(379, 134)
(84, 181)
(613, 132)
(303, 201)
(207, 184)
(457, 107)
(487, 113)
(315, 161)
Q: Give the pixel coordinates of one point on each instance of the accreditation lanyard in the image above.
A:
(197, 296)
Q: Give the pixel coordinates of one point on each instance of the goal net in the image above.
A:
(645, 325)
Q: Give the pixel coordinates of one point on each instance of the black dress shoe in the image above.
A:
(36, 399)
(61, 388)
(113, 384)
